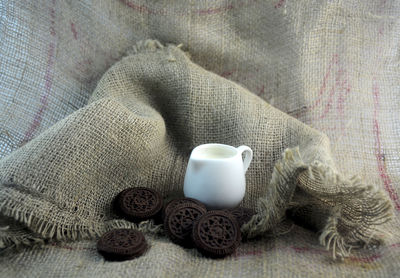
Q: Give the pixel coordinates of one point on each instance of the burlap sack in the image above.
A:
(331, 64)
(145, 116)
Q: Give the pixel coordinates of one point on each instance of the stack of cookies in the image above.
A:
(215, 233)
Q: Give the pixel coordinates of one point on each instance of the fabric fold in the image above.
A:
(146, 114)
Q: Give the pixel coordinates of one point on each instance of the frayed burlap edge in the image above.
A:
(271, 208)
(14, 233)
(289, 172)
(348, 195)
(151, 46)
(41, 230)
(334, 191)
(45, 232)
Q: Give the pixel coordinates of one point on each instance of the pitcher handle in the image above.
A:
(248, 156)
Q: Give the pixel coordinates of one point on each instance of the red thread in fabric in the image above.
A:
(380, 156)
(279, 4)
(73, 30)
(225, 74)
(240, 254)
(215, 10)
(203, 12)
(37, 119)
(323, 86)
(260, 90)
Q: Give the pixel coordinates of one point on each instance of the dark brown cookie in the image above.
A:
(139, 203)
(216, 234)
(242, 215)
(173, 203)
(122, 244)
(179, 222)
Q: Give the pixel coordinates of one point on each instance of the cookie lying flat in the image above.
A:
(179, 222)
(216, 234)
(139, 203)
(122, 244)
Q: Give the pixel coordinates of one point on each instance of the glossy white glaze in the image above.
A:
(215, 174)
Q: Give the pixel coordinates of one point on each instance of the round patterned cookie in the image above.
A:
(139, 203)
(179, 222)
(173, 203)
(216, 233)
(242, 215)
(122, 244)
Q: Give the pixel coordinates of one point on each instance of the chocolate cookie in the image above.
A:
(122, 244)
(216, 233)
(139, 203)
(173, 203)
(242, 215)
(179, 222)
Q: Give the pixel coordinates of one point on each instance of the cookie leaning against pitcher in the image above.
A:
(173, 203)
(122, 244)
(139, 203)
(216, 234)
(179, 222)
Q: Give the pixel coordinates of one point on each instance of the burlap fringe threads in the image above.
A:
(291, 171)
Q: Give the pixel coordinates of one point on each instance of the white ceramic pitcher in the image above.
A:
(215, 174)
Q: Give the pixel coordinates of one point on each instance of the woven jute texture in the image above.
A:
(91, 106)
